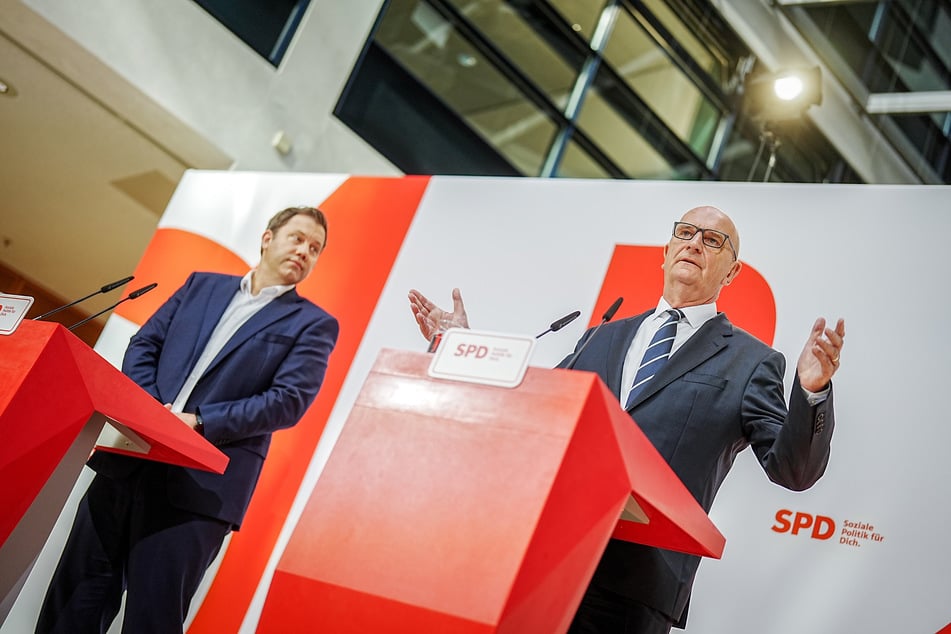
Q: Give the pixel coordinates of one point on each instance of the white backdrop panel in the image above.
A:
(527, 251)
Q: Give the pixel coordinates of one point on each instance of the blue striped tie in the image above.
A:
(656, 355)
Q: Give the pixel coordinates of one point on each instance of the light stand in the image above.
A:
(774, 98)
(767, 139)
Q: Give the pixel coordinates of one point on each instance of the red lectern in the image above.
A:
(455, 507)
(56, 393)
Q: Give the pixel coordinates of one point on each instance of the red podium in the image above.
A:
(56, 394)
(455, 507)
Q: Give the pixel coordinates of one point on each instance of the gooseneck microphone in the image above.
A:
(104, 289)
(558, 324)
(133, 295)
(608, 314)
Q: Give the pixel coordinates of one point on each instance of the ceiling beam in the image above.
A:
(825, 3)
(909, 102)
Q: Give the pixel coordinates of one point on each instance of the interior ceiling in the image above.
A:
(83, 183)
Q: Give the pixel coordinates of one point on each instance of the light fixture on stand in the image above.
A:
(773, 99)
(767, 139)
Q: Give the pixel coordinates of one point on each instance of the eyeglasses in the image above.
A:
(710, 237)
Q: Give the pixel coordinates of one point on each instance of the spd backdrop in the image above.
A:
(862, 551)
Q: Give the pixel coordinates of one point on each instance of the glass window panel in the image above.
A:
(650, 73)
(911, 63)
(582, 15)
(576, 163)
(431, 49)
(508, 31)
(895, 60)
(933, 22)
(846, 29)
(521, 132)
(927, 137)
(704, 128)
(697, 50)
(894, 47)
(937, 34)
(623, 145)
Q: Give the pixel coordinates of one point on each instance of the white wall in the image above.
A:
(201, 73)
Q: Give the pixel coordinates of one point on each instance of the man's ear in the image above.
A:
(266, 238)
(734, 271)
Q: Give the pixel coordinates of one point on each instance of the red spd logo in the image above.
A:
(471, 351)
(818, 526)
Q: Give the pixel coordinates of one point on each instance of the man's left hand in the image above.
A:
(820, 356)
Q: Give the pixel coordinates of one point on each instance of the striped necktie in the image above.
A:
(657, 353)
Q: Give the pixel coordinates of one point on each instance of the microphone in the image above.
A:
(558, 324)
(134, 294)
(104, 289)
(608, 314)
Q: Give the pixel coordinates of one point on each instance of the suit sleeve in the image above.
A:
(141, 360)
(792, 444)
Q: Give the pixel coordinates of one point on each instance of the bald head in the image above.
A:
(701, 257)
(710, 217)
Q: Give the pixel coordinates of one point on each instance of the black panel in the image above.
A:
(266, 27)
(410, 126)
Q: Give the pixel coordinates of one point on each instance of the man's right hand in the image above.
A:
(428, 315)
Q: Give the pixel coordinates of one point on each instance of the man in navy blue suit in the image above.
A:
(236, 358)
(719, 391)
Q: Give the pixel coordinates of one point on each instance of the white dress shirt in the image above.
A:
(242, 307)
(694, 317)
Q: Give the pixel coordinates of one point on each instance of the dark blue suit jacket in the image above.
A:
(264, 379)
(721, 392)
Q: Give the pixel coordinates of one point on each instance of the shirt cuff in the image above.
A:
(814, 398)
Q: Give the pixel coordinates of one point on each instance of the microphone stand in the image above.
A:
(104, 289)
(132, 295)
(608, 314)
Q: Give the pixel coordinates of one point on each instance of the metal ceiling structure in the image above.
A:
(655, 89)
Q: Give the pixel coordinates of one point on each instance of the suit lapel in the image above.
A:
(279, 308)
(712, 337)
(219, 297)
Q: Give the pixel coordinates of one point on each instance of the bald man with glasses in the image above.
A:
(702, 391)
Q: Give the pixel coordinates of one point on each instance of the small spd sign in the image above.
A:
(476, 356)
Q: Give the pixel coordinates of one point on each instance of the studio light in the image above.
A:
(775, 101)
(783, 95)
(788, 88)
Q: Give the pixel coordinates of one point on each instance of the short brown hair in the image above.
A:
(282, 217)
